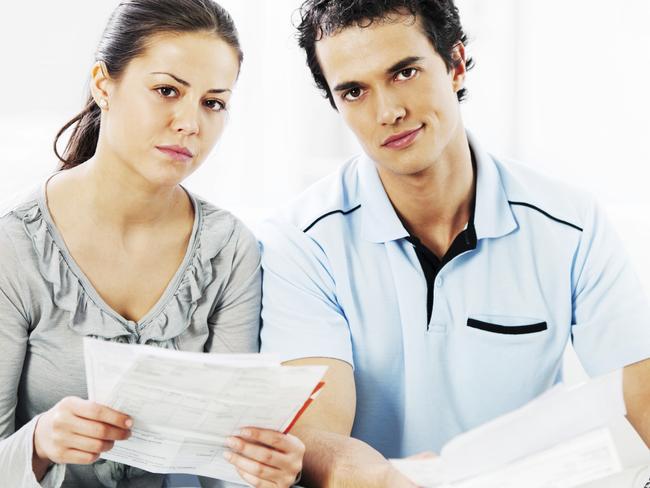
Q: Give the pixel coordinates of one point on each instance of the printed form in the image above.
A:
(185, 404)
(558, 440)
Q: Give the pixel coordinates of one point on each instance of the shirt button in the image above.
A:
(439, 282)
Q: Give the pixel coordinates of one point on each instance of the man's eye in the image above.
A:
(167, 91)
(353, 94)
(214, 104)
(405, 74)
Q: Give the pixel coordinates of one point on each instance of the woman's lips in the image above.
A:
(177, 153)
(403, 139)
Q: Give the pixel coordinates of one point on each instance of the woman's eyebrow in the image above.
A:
(186, 83)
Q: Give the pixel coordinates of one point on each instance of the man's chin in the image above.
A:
(405, 169)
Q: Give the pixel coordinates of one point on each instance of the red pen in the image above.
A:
(311, 398)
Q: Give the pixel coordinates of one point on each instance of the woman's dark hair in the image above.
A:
(129, 28)
(439, 20)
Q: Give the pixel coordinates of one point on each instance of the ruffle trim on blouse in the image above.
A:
(87, 318)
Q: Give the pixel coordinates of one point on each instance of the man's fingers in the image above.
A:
(95, 411)
(423, 455)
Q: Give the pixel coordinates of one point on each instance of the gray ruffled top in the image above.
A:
(47, 305)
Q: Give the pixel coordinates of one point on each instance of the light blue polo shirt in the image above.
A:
(341, 280)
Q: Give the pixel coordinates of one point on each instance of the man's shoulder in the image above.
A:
(336, 193)
(528, 188)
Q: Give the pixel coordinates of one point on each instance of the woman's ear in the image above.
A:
(100, 82)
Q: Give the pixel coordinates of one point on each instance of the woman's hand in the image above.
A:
(76, 431)
(266, 458)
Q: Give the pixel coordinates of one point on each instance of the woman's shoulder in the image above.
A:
(15, 212)
(14, 206)
(222, 230)
(19, 215)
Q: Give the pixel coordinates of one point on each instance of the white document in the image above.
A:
(185, 404)
(561, 431)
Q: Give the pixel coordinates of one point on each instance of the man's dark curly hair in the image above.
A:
(439, 20)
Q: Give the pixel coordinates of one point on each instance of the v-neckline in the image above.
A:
(87, 285)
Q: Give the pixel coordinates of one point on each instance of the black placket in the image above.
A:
(432, 265)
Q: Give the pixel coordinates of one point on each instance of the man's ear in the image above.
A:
(459, 67)
(100, 84)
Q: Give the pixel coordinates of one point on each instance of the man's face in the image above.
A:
(394, 91)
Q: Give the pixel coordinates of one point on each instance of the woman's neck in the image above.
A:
(121, 198)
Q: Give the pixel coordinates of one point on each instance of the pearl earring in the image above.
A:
(103, 104)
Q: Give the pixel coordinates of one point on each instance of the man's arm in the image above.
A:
(332, 457)
(636, 390)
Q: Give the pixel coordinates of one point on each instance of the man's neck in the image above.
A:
(436, 204)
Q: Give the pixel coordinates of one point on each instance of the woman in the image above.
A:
(113, 247)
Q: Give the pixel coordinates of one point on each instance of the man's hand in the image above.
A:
(340, 461)
(636, 390)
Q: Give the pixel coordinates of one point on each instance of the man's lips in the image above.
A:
(403, 139)
(179, 153)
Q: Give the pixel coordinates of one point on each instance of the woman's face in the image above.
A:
(169, 106)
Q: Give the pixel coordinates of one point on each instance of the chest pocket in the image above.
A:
(507, 325)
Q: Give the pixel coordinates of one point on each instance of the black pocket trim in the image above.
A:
(503, 329)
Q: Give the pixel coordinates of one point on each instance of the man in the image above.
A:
(439, 284)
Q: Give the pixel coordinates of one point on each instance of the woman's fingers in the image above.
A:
(76, 431)
(98, 430)
(255, 481)
(74, 456)
(101, 413)
(278, 441)
(255, 468)
(266, 456)
(89, 444)
(259, 453)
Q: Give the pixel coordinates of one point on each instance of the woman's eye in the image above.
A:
(405, 74)
(167, 91)
(214, 104)
(353, 94)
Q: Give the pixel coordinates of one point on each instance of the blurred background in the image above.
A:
(561, 85)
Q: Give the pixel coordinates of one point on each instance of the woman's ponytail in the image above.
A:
(83, 142)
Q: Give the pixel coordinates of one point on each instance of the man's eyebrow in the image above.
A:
(400, 65)
(185, 83)
(347, 85)
(404, 63)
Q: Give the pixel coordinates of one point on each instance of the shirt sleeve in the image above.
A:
(235, 322)
(16, 447)
(301, 316)
(611, 316)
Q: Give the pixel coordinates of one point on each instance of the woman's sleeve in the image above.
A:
(16, 447)
(235, 322)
